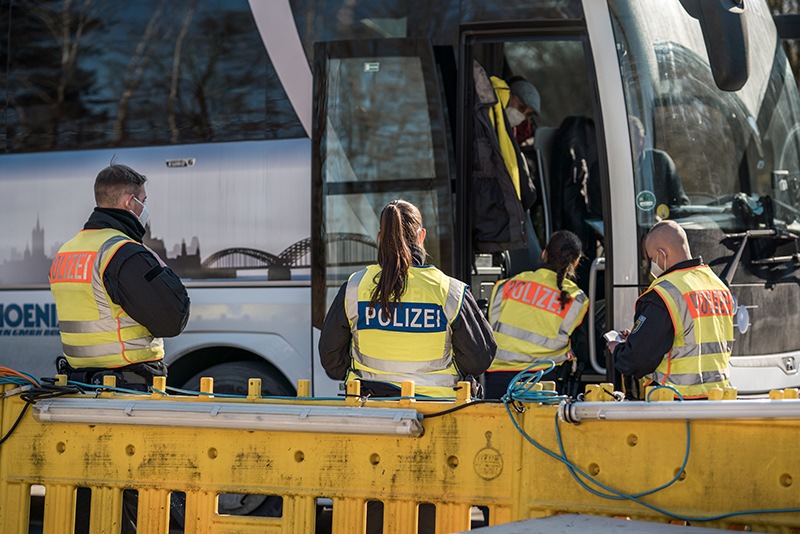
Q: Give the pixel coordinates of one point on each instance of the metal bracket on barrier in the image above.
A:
(15, 391)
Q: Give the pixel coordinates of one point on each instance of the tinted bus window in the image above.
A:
(122, 74)
(375, 19)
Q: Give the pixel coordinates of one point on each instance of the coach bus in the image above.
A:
(273, 132)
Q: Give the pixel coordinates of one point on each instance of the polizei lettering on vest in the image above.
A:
(534, 294)
(72, 267)
(710, 302)
(406, 317)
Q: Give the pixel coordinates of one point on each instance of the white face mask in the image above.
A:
(144, 216)
(515, 116)
(655, 268)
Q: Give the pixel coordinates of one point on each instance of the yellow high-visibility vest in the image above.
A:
(529, 324)
(414, 342)
(96, 332)
(701, 309)
(496, 115)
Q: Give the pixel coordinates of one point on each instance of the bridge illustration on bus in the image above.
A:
(32, 265)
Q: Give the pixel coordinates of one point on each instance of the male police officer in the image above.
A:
(115, 298)
(683, 330)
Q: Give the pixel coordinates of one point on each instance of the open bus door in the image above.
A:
(566, 156)
(382, 130)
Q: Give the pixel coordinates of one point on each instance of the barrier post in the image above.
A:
(59, 505)
(253, 389)
(15, 498)
(153, 511)
(106, 510)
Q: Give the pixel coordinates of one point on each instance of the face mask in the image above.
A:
(144, 216)
(655, 268)
(515, 116)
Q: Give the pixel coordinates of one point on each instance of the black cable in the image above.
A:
(14, 426)
(461, 407)
(34, 394)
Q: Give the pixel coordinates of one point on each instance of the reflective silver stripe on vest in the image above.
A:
(391, 366)
(98, 287)
(351, 297)
(90, 327)
(451, 309)
(105, 349)
(683, 309)
(572, 315)
(532, 337)
(452, 304)
(428, 379)
(712, 347)
(692, 379)
(509, 356)
(497, 303)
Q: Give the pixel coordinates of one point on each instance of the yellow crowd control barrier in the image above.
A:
(742, 457)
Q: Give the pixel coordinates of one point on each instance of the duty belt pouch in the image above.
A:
(137, 376)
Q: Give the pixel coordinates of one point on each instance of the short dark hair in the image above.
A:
(114, 181)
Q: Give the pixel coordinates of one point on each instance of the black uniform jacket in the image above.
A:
(652, 334)
(153, 295)
(473, 342)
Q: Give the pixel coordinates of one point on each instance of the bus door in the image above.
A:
(564, 149)
(380, 133)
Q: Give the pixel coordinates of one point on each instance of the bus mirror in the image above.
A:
(788, 25)
(725, 35)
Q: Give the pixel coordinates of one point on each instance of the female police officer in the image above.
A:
(535, 313)
(404, 320)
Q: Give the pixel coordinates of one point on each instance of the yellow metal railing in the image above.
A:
(475, 456)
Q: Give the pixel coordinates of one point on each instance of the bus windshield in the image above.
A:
(718, 162)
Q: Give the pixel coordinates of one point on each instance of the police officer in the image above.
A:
(404, 320)
(115, 298)
(535, 313)
(683, 330)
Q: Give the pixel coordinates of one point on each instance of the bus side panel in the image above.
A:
(223, 215)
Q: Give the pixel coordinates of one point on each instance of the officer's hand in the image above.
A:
(624, 334)
(611, 345)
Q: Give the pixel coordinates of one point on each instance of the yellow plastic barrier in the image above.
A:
(470, 456)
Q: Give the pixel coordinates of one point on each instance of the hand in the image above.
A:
(611, 345)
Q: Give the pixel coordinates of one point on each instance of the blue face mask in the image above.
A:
(143, 217)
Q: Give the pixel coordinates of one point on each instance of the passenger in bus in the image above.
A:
(534, 315)
(682, 334)
(524, 107)
(502, 188)
(115, 298)
(404, 319)
(656, 167)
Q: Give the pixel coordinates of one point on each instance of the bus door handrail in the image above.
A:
(599, 264)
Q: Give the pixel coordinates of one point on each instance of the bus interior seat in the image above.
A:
(543, 151)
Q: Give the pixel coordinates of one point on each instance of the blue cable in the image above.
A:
(512, 394)
(521, 387)
(98, 386)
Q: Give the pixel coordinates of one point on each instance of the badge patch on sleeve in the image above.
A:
(638, 324)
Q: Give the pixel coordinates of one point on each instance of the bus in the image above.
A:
(272, 133)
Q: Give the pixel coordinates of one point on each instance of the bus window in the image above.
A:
(563, 156)
(382, 137)
(140, 74)
(722, 164)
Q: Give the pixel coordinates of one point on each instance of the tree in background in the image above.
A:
(792, 47)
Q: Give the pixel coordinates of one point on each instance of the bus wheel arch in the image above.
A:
(231, 367)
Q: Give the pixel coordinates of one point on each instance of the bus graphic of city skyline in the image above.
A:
(32, 265)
